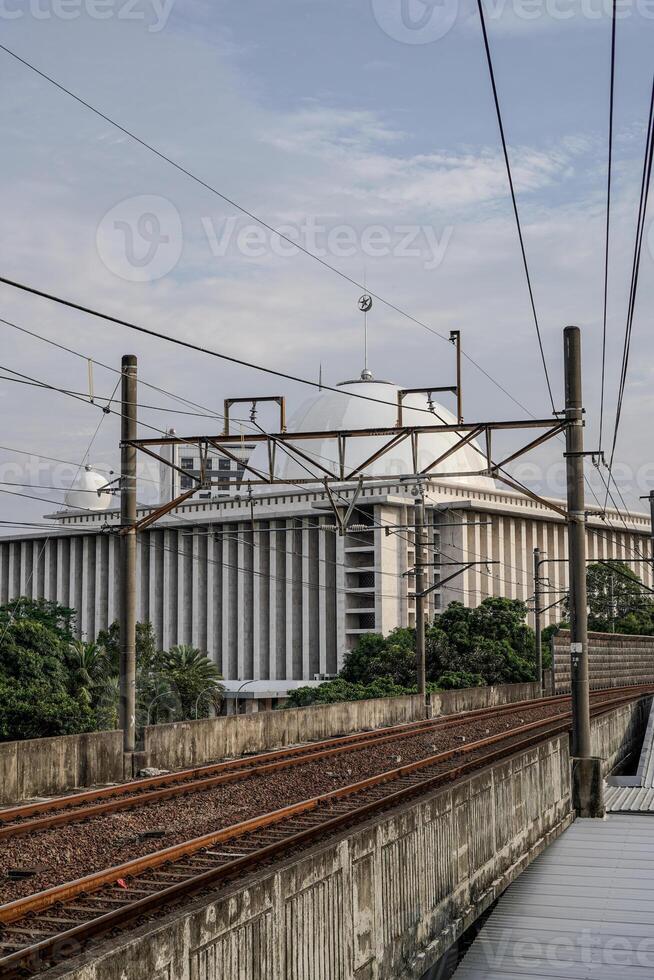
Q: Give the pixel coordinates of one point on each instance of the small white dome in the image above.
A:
(333, 410)
(86, 493)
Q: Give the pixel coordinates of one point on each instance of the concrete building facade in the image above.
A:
(264, 582)
(270, 589)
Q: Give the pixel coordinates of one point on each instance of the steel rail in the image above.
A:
(83, 806)
(189, 882)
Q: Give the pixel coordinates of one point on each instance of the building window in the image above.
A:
(223, 464)
(186, 482)
(187, 462)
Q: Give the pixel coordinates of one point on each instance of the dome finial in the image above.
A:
(366, 375)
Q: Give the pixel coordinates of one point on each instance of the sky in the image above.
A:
(365, 131)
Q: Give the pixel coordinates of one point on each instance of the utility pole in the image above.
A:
(538, 622)
(587, 777)
(650, 497)
(419, 546)
(128, 431)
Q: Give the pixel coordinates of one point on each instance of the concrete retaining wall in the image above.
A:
(382, 902)
(50, 766)
(47, 766)
(615, 660)
(194, 742)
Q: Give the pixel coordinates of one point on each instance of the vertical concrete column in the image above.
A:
(112, 579)
(341, 585)
(99, 612)
(170, 589)
(24, 578)
(273, 592)
(306, 603)
(467, 584)
(184, 592)
(290, 612)
(323, 597)
(228, 574)
(258, 561)
(209, 596)
(198, 604)
(88, 586)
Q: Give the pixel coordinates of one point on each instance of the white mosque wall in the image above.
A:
(284, 599)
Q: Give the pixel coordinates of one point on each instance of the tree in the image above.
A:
(146, 645)
(376, 656)
(89, 668)
(616, 600)
(193, 677)
(464, 647)
(37, 697)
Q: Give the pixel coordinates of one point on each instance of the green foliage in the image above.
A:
(464, 647)
(377, 656)
(193, 678)
(146, 645)
(456, 680)
(37, 698)
(341, 690)
(52, 683)
(616, 600)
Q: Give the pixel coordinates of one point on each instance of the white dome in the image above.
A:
(333, 410)
(85, 492)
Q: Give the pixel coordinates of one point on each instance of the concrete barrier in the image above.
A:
(383, 901)
(191, 743)
(48, 766)
(614, 660)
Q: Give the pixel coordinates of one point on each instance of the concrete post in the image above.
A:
(587, 784)
(538, 621)
(419, 547)
(128, 555)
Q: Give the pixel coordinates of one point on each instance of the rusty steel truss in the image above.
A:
(286, 443)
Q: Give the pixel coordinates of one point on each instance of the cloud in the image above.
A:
(63, 170)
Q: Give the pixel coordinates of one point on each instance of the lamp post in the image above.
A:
(238, 691)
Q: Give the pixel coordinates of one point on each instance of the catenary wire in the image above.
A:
(608, 219)
(255, 217)
(513, 198)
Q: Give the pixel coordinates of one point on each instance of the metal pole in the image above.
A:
(577, 545)
(455, 337)
(128, 555)
(537, 621)
(419, 547)
(650, 497)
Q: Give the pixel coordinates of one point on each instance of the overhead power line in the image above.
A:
(253, 216)
(608, 219)
(189, 345)
(635, 271)
(513, 198)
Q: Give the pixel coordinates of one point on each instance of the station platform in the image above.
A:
(584, 910)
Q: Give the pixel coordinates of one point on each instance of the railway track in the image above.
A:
(60, 921)
(32, 817)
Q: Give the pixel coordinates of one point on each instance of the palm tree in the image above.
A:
(89, 664)
(194, 676)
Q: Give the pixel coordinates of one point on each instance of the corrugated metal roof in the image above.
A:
(584, 910)
(635, 794)
(629, 799)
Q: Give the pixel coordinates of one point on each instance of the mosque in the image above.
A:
(264, 583)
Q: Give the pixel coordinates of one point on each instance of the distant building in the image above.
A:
(230, 473)
(266, 585)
